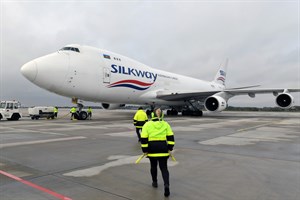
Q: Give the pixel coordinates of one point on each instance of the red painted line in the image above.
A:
(59, 196)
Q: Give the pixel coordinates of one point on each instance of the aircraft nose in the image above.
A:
(29, 70)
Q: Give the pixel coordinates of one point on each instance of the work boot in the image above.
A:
(154, 184)
(167, 191)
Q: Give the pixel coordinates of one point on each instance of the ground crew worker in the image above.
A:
(73, 112)
(89, 112)
(55, 111)
(139, 119)
(157, 140)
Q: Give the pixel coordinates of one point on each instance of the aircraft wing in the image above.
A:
(201, 96)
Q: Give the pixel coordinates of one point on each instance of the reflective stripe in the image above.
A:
(144, 145)
(158, 154)
(171, 142)
(158, 139)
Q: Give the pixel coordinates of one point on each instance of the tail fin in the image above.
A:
(220, 77)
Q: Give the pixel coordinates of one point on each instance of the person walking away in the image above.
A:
(55, 111)
(157, 141)
(73, 112)
(89, 112)
(139, 119)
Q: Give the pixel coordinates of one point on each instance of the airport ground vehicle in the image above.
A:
(10, 110)
(41, 112)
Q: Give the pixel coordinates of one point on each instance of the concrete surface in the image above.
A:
(225, 156)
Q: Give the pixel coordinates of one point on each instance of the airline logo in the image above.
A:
(106, 56)
(222, 73)
(134, 84)
(131, 83)
(222, 76)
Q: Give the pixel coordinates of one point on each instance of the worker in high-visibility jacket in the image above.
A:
(55, 111)
(89, 112)
(73, 113)
(157, 140)
(139, 119)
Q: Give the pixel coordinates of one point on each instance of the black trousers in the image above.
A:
(163, 165)
(138, 130)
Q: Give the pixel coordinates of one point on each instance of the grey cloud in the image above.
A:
(190, 38)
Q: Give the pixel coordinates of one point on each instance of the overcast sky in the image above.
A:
(261, 40)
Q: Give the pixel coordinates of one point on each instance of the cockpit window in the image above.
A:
(70, 49)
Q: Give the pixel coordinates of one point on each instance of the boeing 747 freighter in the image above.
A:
(85, 73)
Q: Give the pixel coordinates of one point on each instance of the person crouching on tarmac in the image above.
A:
(157, 140)
(139, 119)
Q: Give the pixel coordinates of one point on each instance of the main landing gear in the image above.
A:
(185, 112)
(191, 109)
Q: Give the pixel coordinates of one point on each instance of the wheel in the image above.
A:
(168, 112)
(174, 112)
(148, 112)
(83, 115)
(14, 117)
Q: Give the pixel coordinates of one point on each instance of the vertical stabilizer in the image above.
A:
(220, 77)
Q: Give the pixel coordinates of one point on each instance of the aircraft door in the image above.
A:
(106, 75)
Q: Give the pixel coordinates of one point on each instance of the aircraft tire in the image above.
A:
(148, 112)
(83, 115)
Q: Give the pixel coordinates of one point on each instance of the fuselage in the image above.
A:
(97, 75)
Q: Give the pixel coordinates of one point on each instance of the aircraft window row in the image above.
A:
(70, 49)
(119, 59)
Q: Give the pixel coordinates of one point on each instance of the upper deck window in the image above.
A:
(70, 49)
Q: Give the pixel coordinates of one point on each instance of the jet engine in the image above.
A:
(215, 103)
(285, 100)
(110, 106)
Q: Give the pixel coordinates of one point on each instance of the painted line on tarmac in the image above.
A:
(255, 127)
(117, 160)
(28, 130)
(40, 141)
(59, 196)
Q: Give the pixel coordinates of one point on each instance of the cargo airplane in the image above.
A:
(85, 73)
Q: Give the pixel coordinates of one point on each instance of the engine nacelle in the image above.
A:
(110, 106)
(285, 100)
(215, 104)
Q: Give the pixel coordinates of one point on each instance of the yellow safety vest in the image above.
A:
(157, 139)
(73, 110)
(140, 118)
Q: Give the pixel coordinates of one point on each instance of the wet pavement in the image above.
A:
(225, 156)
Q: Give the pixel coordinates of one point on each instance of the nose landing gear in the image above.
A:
(80, 114)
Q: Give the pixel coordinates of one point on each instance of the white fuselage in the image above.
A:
(102, 76)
